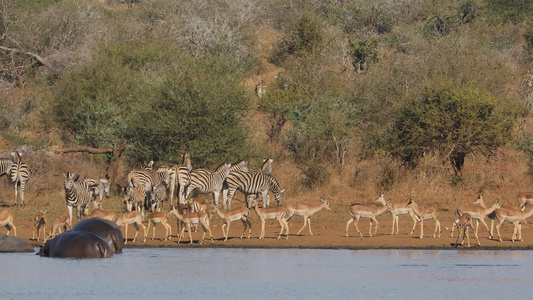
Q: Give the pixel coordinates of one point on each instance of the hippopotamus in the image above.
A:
(76, 244)
(107, 230)
(14, 244)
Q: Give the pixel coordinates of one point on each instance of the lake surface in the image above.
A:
(171, 273)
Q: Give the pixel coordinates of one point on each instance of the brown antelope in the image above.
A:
(98, 213)
(40, 223)
(524, 198)
(358, 211)
(188, 219)
(135, 218)
(512, 215)
(462, 226)
(269, 213)
(61, 222)
(427, 213)
(6, 219)
(397, 210)
(197, 204)
(159, 217)
(241, 213)
(305, 210)
(478, 212)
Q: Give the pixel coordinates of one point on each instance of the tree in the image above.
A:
(451, 122)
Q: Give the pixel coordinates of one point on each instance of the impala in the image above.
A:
(40, 221)
(358, 211)
(6, 219)
(305, 210)
(269, 213)
(397, 210)
(135, 218)
(98, 213)
(462, 226)
(425, 214)
(188, 219)
(197, 204)
(478, 212)
(524, 198)
(61, 222)
(159, 217)
(512, 215)
(241, 213)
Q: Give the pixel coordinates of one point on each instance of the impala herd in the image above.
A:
(198, 213)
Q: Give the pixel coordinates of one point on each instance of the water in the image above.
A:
(171, 273)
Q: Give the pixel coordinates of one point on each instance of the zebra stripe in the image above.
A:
(99, 187)
(251, 184)
(135, 197)
(182, 179)
(5, 166)
(204, 181)
(266, 168)
(156, 198)
(18, 175)
(148, 178)
(77, 194)
(240, 166)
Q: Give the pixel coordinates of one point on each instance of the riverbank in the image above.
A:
(327, 235)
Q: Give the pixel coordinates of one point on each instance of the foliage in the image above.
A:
(451, 121)
(363, 53)
(528, 36)
(193, 107)
(510, 11)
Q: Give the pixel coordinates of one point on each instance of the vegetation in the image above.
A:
(441, 78)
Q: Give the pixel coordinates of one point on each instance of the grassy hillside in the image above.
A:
(170, 77)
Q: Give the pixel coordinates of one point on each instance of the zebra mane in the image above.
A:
(240, 166)
(223, 167)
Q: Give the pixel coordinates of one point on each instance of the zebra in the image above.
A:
(18, 175)
(149, 179)
(182, 178)
(135, 197)
(239, 166)
(99, 187)
(251, 184)
(77, 193)
(266, 167)
(204, 181)
(156, 198)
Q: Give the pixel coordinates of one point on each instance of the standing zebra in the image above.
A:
(99, 187)
(266, 168)
(148, 179)
(77, 193)
(135, 197)
(239, 166)
(251, 184)
(182, 179)
(18, 175)
(204, 181)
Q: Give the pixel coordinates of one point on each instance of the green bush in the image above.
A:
(450, 121)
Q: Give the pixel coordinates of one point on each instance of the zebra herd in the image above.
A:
(148, 188)
(17, 173)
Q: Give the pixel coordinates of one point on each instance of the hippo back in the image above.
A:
(76, 244)
(9, 244)
(107, 230)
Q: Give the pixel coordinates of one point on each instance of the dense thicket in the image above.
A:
(358, 75)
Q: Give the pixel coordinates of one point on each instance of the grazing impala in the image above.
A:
(462, 226)
(135, 218)
(188, 219)
(6, 219)
(40, 221)
(358, 211)
(98, 213)
(512, 215)
(269, 213)
(397, 210)
(159, 217)
(61, 222)
(478, 212)
(305, 210)
(427, 213)
(241, 213)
